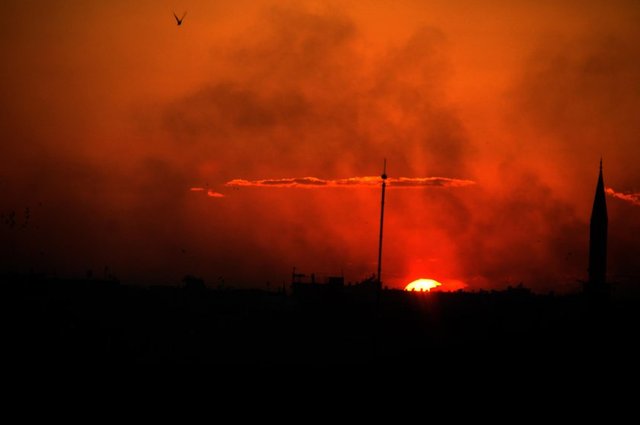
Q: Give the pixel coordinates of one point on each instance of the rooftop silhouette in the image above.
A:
(91, 320)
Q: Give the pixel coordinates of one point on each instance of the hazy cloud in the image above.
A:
(208, 192)
(367, 181)
(633, 198)
(103, 143)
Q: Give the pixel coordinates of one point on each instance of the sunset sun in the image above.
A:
(422, 285)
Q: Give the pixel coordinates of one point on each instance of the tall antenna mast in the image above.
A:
(384, 186)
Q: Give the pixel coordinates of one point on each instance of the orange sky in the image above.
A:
(110, 114)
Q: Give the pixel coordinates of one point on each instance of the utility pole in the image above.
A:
(384, 186)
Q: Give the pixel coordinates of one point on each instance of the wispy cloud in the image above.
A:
(209, 192)
(634, 198)
(366, 181)
(314, 182)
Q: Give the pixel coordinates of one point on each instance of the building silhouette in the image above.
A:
(598, 238)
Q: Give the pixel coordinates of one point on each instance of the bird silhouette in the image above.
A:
(179, 20)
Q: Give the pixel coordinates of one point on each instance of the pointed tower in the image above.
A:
(598, 237)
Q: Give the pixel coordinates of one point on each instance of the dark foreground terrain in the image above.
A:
(49, 321)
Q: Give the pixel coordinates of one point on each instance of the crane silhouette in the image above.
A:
(179, 20)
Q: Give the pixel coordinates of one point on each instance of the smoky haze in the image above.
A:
(102, 153)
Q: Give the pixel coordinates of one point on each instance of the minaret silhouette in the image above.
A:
(598, 237)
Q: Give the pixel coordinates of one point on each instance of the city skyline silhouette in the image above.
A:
(315, 320)
(223, 169)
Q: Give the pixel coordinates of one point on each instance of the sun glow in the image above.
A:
(422, 285)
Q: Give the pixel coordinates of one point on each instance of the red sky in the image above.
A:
(110, 114)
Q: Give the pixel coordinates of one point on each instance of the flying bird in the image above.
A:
(179, 20)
